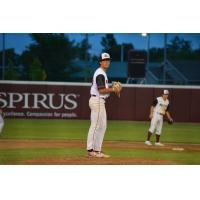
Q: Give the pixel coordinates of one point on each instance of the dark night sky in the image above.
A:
(19, 41)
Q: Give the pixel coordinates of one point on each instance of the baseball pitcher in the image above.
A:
(99, 92)
(159, 108)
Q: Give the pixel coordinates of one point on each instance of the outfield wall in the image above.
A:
(70, 101)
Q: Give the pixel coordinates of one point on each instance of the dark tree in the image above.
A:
(10, 56)
(55, 52)
(82, 50)
(110, 45)
(179, 49)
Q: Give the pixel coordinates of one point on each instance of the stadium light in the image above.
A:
(144, 34)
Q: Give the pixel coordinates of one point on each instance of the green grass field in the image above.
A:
(126, 131)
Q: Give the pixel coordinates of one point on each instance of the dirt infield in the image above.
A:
(95, 161)
(124, 145)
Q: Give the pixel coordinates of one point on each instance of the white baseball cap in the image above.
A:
(165, 92)
(105, 56)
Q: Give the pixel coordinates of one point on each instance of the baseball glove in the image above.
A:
(170, 121)
(117, 87)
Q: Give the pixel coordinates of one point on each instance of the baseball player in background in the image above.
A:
(1, 119)
(99, 92)
(159, 108)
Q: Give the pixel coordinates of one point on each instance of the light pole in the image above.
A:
(165, 58)
(148, 49)
(87, 35)
(122, 52)
(3, 56)
(148, 45)
(87, 67)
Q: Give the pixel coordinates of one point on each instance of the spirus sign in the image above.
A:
(40, 100)
(44, 101)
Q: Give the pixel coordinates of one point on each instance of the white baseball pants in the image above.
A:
(1, 123)
(156, 124)
(98, 123)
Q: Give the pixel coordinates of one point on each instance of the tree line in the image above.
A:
(50, 56)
